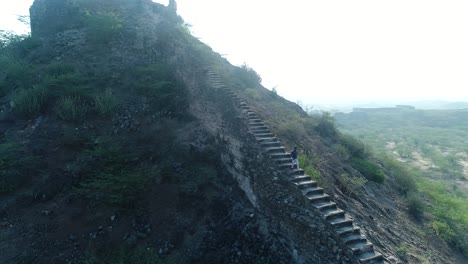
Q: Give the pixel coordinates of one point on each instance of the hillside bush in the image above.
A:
(71, 108)
(355, 147)
(16, 165)
(248, 76)
(31, 102)
(368, 169)
(105, 103)
(57, 69)
(404, 178)
(117, 188)
(67, 84)
(308, 164)
(415, 205)
(443, 230)
(18, 74)
(350, 185)
(326, 126)
(111, 175)
(293, 130)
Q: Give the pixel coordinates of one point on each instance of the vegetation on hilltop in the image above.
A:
(72, 125)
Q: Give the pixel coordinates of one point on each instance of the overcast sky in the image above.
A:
(335, 51)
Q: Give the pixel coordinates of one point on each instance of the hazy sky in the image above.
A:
(335, 50)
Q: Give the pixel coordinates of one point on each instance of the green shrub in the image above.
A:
(370, 170)
(31, 102)
(403, 250)
(443, 230)
(415, 204)
(67, 84)
(326, 126)
(166, 96)
(356, 148)
(17, 73)
(105, 103)
(404, 178)
(351, 185)
(307, 164)
(16, 165)
(248, 76)
(111, 176)
(71, 108)
(117, 188)
(55, 70)
(293, 130)
(252, 93)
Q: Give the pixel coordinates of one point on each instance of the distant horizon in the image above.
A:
(385, 102)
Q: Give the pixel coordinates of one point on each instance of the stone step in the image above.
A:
(251, 113)
(312, 191)
(330, 215)
(263, 135)
(281, 161)
(326, 205)
(268, 139)
(371, 257)
(296, 172)
(252, 117)
(339, 223)
(285, 166)
(317, 198)
(263, 129)
(362, 248)
(358, 246)
(299, 178)
(305, 183)
(274, 149)
(272, 144)
(348, 230)
(354, 239)
(279, 155)
(244, 107)
(255, 120)
(256, 123)
(355, 234)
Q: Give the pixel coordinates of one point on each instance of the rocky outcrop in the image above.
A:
(172, 6)
(49, 17)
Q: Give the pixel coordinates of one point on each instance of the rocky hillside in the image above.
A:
(123, 139)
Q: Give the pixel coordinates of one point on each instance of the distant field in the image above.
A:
(434, 146)
(434, 141)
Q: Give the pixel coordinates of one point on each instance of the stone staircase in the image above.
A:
(340, 222)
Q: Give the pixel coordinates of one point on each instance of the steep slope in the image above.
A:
(120, 145)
